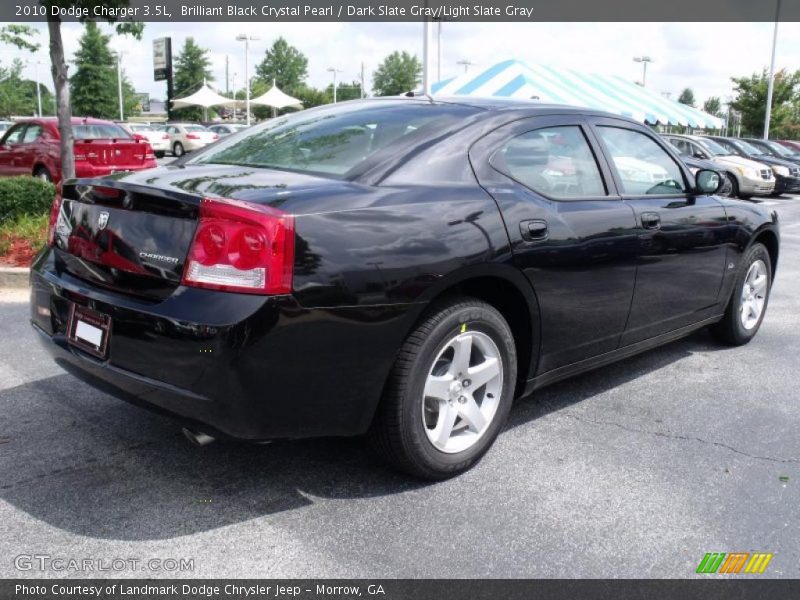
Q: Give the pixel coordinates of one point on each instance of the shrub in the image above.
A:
(24, 195)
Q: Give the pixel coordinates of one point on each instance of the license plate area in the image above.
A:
(89, 330)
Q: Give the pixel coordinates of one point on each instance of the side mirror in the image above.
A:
(707, 181)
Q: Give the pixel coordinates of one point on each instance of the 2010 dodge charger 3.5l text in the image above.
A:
(401, 267)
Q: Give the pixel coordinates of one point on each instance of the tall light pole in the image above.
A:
(38, 89)
(334, 70)
(439, 50)
(119, 84)
(644, 60)
(467, 64)
(242, 37)
(771, 83)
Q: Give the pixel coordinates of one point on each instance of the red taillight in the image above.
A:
(241, 247)
(215, 136)
(55, 209)
(165, 137)
(192, 136)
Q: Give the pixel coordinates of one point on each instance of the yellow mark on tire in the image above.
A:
(463, 328)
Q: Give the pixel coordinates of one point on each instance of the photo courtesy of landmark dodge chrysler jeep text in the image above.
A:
(401, 267)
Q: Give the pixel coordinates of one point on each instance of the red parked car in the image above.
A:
(30, 147)
(791, 144)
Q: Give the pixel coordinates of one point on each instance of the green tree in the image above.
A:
(345, 91)
(713, 106)
(19, 35)
(93, 86)
(751, 102)
(59, 67)
(398, 73)
(192, 68)
(12, 87)
(687, 97)
(312, 97)
(285, 65)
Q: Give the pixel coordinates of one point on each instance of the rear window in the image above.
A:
(99, 131)
(333, 140)
(194, 128)
(138, 128)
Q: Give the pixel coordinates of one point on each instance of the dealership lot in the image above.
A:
(634, 470)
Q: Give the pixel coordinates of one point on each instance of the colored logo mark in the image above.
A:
(734, 562)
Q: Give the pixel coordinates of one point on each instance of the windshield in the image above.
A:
(781, 150)
(333, 140)
(748, 148)
(713, 147)
(99, 131)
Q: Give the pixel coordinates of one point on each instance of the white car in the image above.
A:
(185, 137)
(159, 140)
(224, 129)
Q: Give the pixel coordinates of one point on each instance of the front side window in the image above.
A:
(554, 161)
(644, 167)
(333, 140)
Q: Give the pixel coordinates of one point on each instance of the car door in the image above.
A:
(27, 149)
(682, 234)
(9, 149)
(571, 235)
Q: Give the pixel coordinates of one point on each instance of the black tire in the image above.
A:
(734, 193)
(43, 174)
(178, 150)
(398, 430)
(730, 330)
(735, 189)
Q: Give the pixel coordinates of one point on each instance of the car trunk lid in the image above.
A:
(129, 239)
(118, 154)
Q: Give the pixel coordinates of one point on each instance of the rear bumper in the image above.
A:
(90, 171)
(236, 365)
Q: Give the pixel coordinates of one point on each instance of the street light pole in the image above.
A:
(38, 89)
(334, 70)
(119, 86)
(246, 39)
(644, 60)
(771, 83)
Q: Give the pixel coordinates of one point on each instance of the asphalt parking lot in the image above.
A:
(635, 470)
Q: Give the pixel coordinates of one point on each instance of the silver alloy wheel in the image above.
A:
(462, 392)
(754, 294)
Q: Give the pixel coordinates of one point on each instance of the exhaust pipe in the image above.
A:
(198, 438)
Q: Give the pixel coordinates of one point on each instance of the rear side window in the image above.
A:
(333, 140)
(555, 161)
(99, 131)
(644, 167)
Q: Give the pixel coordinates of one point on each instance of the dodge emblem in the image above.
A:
(102, 220)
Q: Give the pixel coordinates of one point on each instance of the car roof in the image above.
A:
(525, 107)
(73, 120)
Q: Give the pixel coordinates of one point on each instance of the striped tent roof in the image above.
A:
(515, 79)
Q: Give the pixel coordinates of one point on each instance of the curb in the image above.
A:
(14, 277)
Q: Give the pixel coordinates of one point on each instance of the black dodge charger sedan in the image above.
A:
(402, 267)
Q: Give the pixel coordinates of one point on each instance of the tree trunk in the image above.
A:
(63, 107)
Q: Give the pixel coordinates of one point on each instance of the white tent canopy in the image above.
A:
(205, 97)
(275, 98)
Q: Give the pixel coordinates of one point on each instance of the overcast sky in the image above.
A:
(702, 56)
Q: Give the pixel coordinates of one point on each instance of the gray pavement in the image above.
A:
(635, 470)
